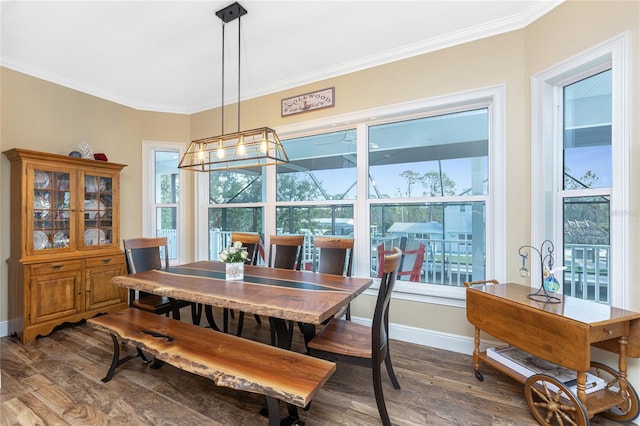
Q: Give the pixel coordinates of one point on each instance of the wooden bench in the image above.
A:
(228, 360)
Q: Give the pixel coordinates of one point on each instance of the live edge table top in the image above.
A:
(302, 296)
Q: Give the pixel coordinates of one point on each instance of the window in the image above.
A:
(428, 172)
(321, 168)
(234, 203)
(418, 164)
(161, 183)
(315, 191)
(578, 137)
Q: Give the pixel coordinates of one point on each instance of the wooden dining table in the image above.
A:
(285, 296)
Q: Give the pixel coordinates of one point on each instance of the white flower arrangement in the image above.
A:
(234, 254)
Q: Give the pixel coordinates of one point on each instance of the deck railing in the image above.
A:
(451, 262)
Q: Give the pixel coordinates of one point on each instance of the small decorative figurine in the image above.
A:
(549, 282)
(86, 150)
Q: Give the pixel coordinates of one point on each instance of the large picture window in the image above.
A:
(422, 176)
(579, 134)
(427, 160)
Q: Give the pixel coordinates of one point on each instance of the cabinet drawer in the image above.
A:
(59, 266)
(606, 332)
(95, 262)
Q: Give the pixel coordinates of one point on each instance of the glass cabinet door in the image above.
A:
(97, 227)
(51, 210)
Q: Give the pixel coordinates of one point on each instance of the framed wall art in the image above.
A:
(308, 102)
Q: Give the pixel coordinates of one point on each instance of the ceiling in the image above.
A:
(166, 55)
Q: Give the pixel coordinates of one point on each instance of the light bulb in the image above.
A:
(263, 147)
(201, 153)
(241, 147)
(220, 151)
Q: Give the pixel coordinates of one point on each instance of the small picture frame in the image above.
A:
(308, 102)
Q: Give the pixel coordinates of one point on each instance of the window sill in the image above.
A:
(425, 293)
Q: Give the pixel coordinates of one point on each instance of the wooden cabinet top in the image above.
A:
(17, 154)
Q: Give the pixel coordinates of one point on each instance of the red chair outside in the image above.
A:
(416, 269)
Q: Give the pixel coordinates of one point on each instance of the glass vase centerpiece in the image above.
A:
(234, 258)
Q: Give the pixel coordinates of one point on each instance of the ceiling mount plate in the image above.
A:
(231, 12)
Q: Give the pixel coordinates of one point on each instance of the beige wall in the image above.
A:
(47, 117)
(44, 116)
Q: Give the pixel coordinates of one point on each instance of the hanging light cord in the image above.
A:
(239, 39)
(239, 45)
(222, 106)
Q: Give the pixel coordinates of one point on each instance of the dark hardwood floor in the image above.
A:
(56, 381)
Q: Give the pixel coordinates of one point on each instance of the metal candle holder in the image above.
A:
(545, 253)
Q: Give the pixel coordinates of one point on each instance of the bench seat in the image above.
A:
(229, 361)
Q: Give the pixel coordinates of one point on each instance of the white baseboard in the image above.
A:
(431, 338)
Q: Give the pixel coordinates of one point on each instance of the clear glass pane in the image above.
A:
(314, 220)
(323, 220)
(437, 156)
(223, 221)
(51, 210)
(236, 186)
(447, 240)
(321, 167)
(587, 248)
(587, 133)
(167, 179)
(98, 214)
(167, 223)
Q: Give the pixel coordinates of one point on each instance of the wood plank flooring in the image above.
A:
(56, 381)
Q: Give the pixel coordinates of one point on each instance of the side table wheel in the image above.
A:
(629, 409)
(551, 403)
(479, 376)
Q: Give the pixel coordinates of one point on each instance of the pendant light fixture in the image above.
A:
(242, 149)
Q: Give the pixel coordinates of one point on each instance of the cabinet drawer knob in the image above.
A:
(106, 261)
(56, 267)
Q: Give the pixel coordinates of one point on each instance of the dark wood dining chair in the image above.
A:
(252, 242)
(353, 343)
(334, 255)
(143, 254)
(285, 251)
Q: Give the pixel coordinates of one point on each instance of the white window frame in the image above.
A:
(546, 137)
(149, 205)
(493, 98)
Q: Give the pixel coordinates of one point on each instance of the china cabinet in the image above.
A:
(65, 241)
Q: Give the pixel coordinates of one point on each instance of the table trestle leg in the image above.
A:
(117, 362)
